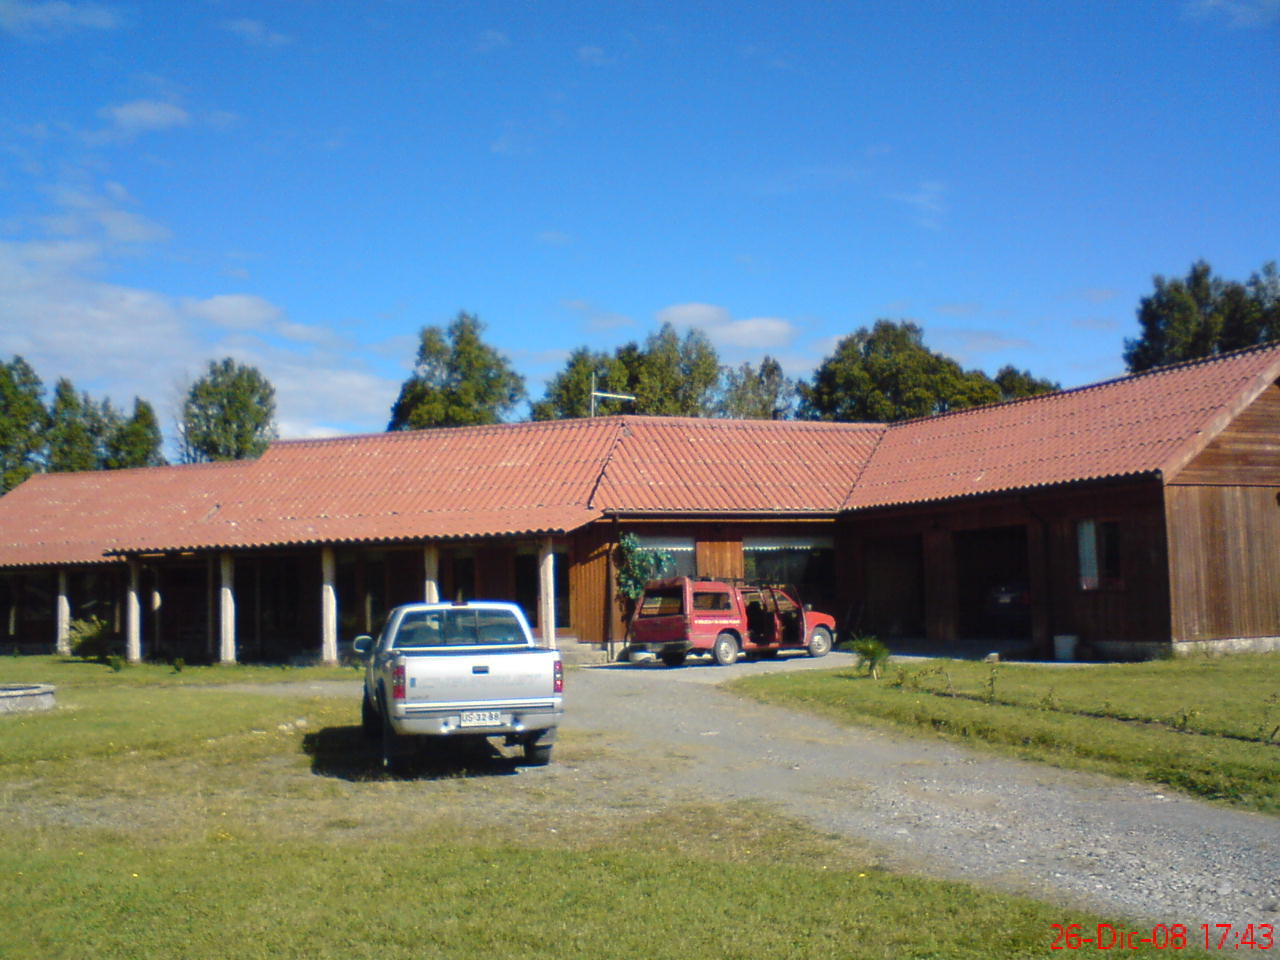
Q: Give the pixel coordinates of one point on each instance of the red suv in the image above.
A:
(685, 615)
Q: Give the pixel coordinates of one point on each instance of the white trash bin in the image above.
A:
(1064, 646)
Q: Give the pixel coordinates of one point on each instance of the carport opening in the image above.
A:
(993, 581)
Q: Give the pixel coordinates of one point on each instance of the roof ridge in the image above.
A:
(1099, 384)
(405, 435)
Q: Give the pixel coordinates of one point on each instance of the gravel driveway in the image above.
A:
(938, 808)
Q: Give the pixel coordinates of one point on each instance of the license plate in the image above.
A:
(481, 718)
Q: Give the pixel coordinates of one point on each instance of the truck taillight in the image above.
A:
(559, 677)
(397, 682)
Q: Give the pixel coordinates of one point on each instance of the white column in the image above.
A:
(63, 617)
(227, 611)
(547, 593)
(328, 606)
(132, 617)
(431, 578)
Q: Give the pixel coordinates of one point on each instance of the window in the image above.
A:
(711, 600)
(1098, 542)
(679, 549)
(462, 627)
(667, 602)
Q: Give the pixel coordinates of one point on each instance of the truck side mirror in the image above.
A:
(362, 645)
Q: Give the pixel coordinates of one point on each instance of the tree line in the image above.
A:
(228, 414)
(881, 373)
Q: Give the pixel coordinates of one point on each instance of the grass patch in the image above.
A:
(153, 819)
(1198, 725)
(85, 673)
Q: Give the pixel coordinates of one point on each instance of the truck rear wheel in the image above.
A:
(394, 748)
(537, 754)
(820, 642)
(368, 718)
(726, 649)
(673, 658)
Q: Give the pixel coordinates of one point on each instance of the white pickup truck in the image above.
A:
(460, 670)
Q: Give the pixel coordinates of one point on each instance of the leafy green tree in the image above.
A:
(568, 393)
(751, 393)
(1015, 384)
(71, 441)
(229, 414)
(1202, 315)
(886, 374)
(458, 380)
(23, 420)
(135, 442)
(672, 376)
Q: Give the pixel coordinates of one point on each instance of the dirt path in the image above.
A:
(924, 806)
(941, 809)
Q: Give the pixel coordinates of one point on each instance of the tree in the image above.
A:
(1202, 315)
(886, 374)
(229, 414)
(135, 442)
(458, 380)
(672, 376)
(23, 420)
(757, 394)
(568, 393)
(1015, 384)
(71, 443)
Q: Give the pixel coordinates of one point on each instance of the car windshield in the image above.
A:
(457, 628)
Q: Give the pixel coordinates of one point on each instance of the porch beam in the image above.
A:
(227, 610)
(62, 637)
(132, 617)
(431, 573)
(547, 593)
(328, 606)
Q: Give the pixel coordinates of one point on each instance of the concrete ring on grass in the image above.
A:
(20, 697)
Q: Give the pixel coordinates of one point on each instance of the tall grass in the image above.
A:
(1203, 726)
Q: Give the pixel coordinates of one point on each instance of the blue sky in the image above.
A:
(303, 184)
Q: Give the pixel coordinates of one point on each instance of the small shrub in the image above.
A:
(115, 662)
(871, 653)
(92, 639)
(178, 664)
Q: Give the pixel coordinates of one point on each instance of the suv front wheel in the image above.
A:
(819, 642)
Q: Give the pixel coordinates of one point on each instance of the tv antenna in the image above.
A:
(606, 396)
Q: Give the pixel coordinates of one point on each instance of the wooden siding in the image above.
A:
(1135, 610)
(594, 613)
(1224, 545)
(1247, 452)
(719, 558)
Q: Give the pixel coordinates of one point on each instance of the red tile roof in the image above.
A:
(689, 465)
(1150, 423)
(68, 518)
(556, 476)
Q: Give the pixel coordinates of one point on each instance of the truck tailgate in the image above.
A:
(491, 677)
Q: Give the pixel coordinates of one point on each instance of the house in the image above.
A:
(1139, 515)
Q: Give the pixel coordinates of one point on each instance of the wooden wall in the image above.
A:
(1224, 545)
(1247, 451)
(892, 588)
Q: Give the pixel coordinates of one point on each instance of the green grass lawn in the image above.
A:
(1205, 726)
(147, 817)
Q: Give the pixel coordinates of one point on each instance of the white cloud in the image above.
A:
(236, 311)
(976, 346)
(753, 333)
(593, 56)
(927, 200)
(554, 238)
(959, 309)
(141, 116)
(1237, 13)
(491, 40)
(256, 33)
(85, 213)
(26, 19)
(594, 317)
